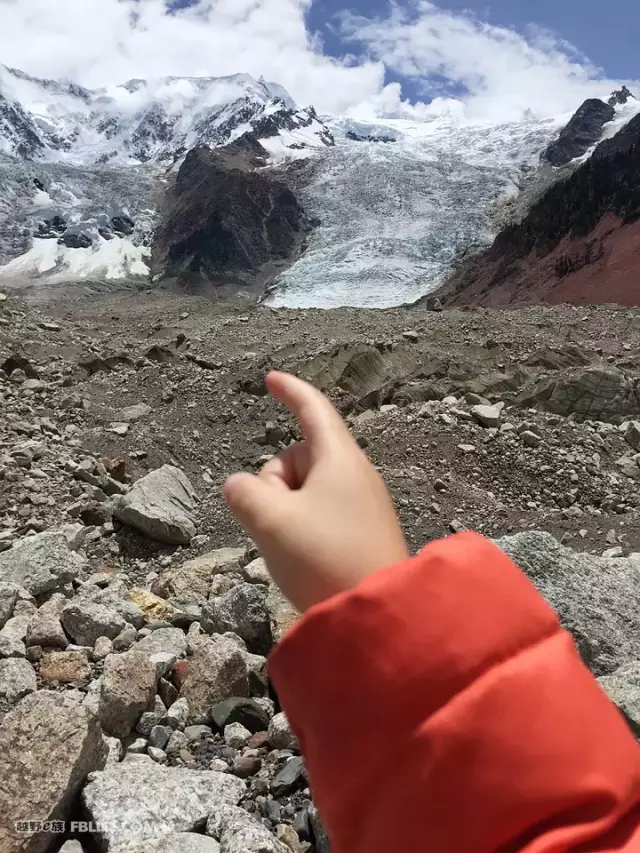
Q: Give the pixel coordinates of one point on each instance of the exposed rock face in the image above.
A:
(594, 596)
(577, 244)
(144, 800)
(161, 505)
(603, 394)
(48, 744)
(227, 222)
(583, 131)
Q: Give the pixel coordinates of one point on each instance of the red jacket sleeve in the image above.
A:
(441, 708)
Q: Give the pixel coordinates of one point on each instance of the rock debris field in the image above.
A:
(136, 712)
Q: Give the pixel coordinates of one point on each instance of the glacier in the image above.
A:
(394, 215)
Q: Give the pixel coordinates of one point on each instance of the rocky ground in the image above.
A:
(135, 616)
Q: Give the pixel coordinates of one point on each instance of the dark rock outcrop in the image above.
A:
(226, 222)
(583, 131)
(577, 244)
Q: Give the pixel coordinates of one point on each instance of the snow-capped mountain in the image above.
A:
(85, 176)
(145, 121)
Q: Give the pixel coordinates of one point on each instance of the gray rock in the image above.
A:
(623, 688)
(177, 842)
(103, 647)
(595, 597)
(161, 505)
(48, 745)
(143, 800)
(218, 670)
(127, 689)
(320, 835)
(41, 563)
(282, 614)
(238, 832)
(115, 750)
(281, 734)
(531, 439)
(157, 754)
(71, 847)
(256, 572)
(177, 715)
(85, 621)
(45, 628)
(8, 598)
(170, 641)
(17, 679)
(289, 778)
(236, 736)
(191, 582)
(131, 414)
(197, 733)
(632, 434)
(241, 610)
(159, 736)
(487, 416)
(125, 639)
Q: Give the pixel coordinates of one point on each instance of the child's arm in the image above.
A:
(439, 705)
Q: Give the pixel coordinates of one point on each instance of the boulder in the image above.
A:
(131, 414)
(142, 800)
(41, 563)
(45, 628)
(191, 582)
(127, 689)
(48, 745)
(239, 832)
(217, 671)
(17, 679)
(85, 621)
(595, 597)
(632, 434)
(623, 688)
(256, 572)
(161, 505)
(241, 610)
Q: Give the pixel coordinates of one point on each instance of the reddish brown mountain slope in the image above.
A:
(580, 243)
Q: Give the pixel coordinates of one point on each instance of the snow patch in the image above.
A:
(112, 260)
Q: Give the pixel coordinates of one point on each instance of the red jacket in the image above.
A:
(441, 708)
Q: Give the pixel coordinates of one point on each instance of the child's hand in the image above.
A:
(319, 512)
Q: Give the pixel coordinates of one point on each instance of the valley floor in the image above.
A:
(198, 364)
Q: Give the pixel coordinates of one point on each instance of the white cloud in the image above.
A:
(102, 42)
(497, 72)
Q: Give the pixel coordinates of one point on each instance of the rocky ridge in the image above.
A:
(135, 617)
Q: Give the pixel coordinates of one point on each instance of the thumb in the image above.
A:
(254, 501)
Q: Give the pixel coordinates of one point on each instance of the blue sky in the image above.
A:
(365, 58)
(605, 33)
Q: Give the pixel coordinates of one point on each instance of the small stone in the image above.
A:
(487, 416)
(197, 733)
(260, 740)
(290, 778)
(613, 552)
(236, 736)
(281, 735)
(244, 766)
(177, 715)
(156, 754)
(102, 647)
(467, 448)
(256, 572)
(159, 736)
(125, 639)
(287, 835)
(530, 438)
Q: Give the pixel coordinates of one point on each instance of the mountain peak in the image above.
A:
(620, 96)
